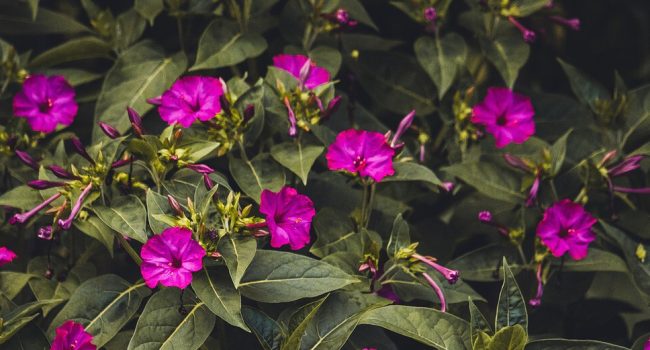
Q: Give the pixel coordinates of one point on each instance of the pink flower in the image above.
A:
(566, 227)
(361, 152)
(46, 102)
(6, 256)
(302, 68)
(288, 216)
(507, 115)
(189, 99)
(170, 258)
(72, 336)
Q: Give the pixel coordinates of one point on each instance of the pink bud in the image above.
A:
(60, 172)
(80, 149)
(485, 216)
(430, 14)
(572, 23)
(156, 101)
(136, 121)
(109, 130)
(200, 168)
(44, 184)
(27, 159)
(173, 203)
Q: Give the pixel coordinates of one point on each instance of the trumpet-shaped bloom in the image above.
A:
(189, 99)
(566, 227)
(361, 152)
(302, 68)
(507, 115)
(46, 102)
(288, 216)
(170, 258)
(72, 336)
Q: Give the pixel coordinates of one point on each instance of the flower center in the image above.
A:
(567, 232)
(501, 120)
(176, 263)
(359, 162)
(45, 107)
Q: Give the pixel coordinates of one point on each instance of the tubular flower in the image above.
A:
(537, 300)
(304, 69)
(507, 115)
(438, 290)
(404, 124)
(528, 35)
(288, 216)
(189, 99)
(170, 258)
(22, 218)
(450, 275)
(46, 102)
(67, 223)
(361, 152)
(72, 336)
(566, 227)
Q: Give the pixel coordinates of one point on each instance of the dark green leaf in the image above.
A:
(511, 309)
(587, 90)
(238, 253)
(141, 72)
(103, 305)
(217, 291)
(157, 204)
(596, 260)
(15, 22)
(76, 49)
(490, 179)
(566, 344)
(640, 269)
(255, 175)
(222, 44)
(441, 58)
(298, 156)
(558, 153)
(267, 331)
(95, 228)
(335, 233)
(409, 171)
(149, 9)
(21, 197)
(276, 277)
(477, 322)
(11, 283)
(126, 215)
(399, 236)
(428, 326)
(507, 51)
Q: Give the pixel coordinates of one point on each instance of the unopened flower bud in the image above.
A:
(44, 184)
(109, 130)
(81, 149)
(249, 113)
(27, 159)
(173, 203)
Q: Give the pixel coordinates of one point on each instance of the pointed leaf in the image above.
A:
(126, 215)
(507, 51)
(491, 180)
(216, 290)
(238, 253)
(477, 322)
(267, 331)
(255, 175)
(298, 156)
(399, 236)
(410, 171)
(157, 204)
(441, 58)
(511, 309)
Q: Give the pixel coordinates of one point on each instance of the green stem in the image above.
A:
(129, 250)
(371, 200)
(179, 26)
(362, 219)
(554, 190)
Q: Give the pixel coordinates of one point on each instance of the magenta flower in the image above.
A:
(302, 68)
(507, 115)
(189, 99)
(361, 152)
(288, 216)
(72, 336)
(170, 258)
(566, 227)
(46, 102)
(6, 256)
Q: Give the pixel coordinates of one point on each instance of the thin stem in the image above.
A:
(554, 190)
(373, 186)
(129, 250)
(521, 254)
(179, 25)
(362, 219)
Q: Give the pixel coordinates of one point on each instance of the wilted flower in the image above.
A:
(6, 256)
(72, 336)
(46, 102)
(45, 233)
(507, 115)
(302, 68)
(191, 98)
(404, 124)
(361, 152)
(288, 216)
(170, 258)
(566, 227)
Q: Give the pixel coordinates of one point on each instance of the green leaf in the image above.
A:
(162, 327)
(120, 341)
(357, 12)
(13, 21)
(428, 326)
(490, 179)
(298, 156)
(276, 277)
(45, 289)
(95, 228)
(335, 320)
(507, 51)
(558, 153)
(126, 215)
(30, 337)
(299, 321)
(238, 253)
(328, 58)
(157, 204)
(129, 27)
(399, 236)
(586, 89)
(149, 9)
(217, 291)
(11, 283)
(222, 45)
(18, 318)
(511, 309)
(441, 58)
(508, 338)
(73, 50)
(640, 269)
(597, 260)
(141, 72)
(335, 233)
(525, 8)
(637, 116)
(267, 331)
(410, 171)
(477, 322)
(255, 175)
(103, 305)
(74, 76)
(566, 344)
(21, 197)
(396, 82)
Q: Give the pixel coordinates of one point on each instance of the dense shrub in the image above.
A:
(324, 174)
